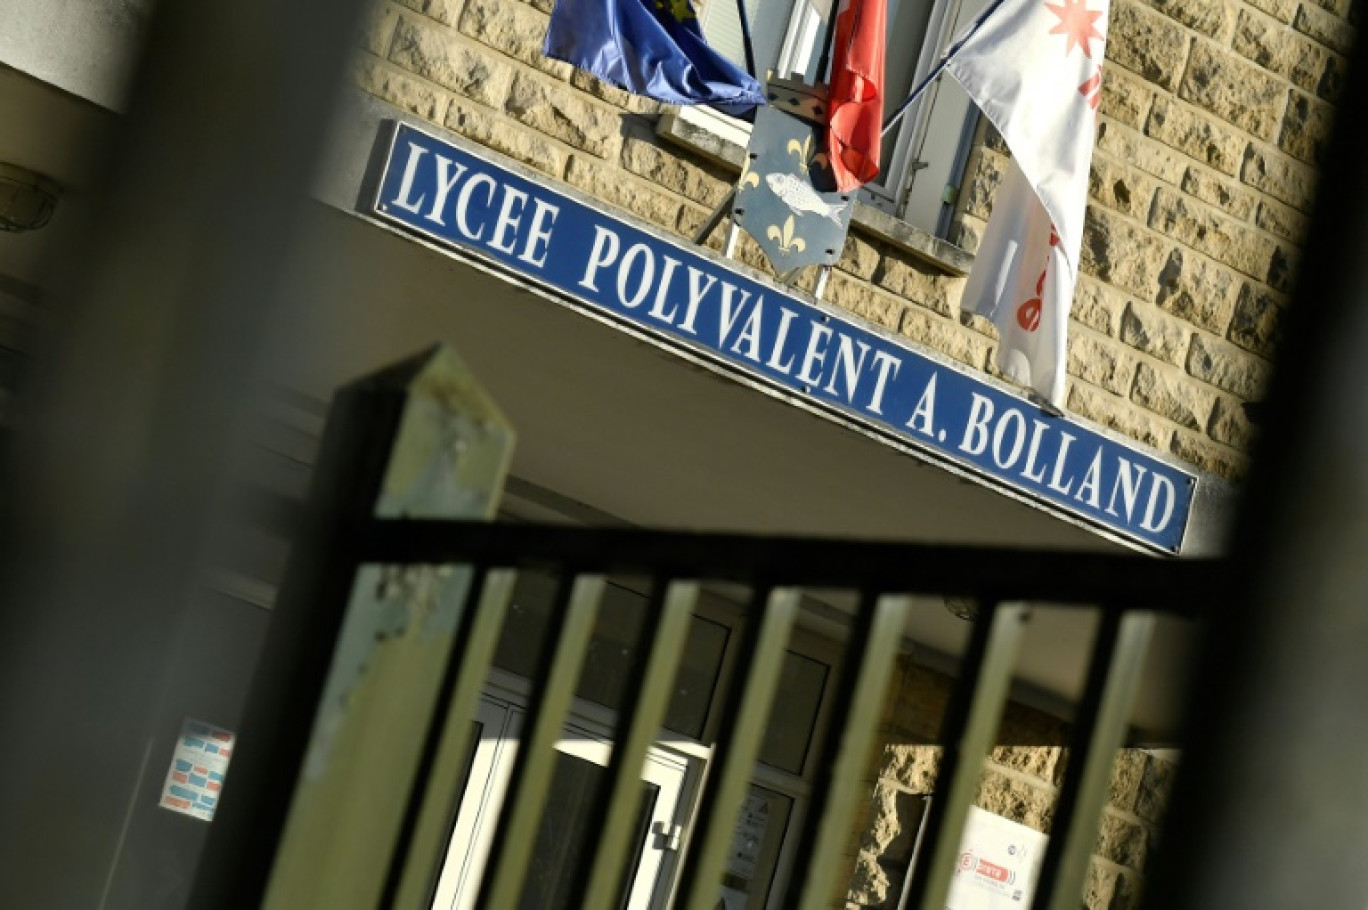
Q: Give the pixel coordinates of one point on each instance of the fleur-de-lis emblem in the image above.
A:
(785, 238)
(804, 152)
(748, 177)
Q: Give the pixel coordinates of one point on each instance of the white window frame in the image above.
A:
(890, 193)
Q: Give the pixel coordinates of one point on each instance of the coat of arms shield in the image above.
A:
(786, 197)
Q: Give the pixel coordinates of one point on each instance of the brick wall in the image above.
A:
(1212, 118)
(1020, 781)
(1213, 115)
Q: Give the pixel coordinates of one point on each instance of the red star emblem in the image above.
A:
(1076, 24)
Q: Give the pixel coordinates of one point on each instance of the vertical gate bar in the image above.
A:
(748, 706)
(832, 808)
(415, 865)
(1113, 678)
(598, 884)
(970, 725)
(511, 848)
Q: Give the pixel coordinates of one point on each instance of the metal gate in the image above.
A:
(278, 845)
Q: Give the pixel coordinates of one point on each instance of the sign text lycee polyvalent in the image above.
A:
(458, 197)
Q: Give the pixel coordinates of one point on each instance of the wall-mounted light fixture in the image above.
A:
(27, 199)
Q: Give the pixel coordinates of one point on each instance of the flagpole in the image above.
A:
(940, 66)
(746, 37)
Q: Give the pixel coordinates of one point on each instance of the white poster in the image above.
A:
(198, 766)
(999, 861)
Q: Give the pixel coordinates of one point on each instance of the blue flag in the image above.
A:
(648, 47)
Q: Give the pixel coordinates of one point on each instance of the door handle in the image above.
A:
(668, 836)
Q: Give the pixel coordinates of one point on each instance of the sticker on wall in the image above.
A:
(198, 767)
(999, 861)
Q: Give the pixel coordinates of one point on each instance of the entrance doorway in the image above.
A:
(564, 841)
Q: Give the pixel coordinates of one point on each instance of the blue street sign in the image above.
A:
(678, 293)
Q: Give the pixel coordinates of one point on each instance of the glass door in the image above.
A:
(564, 840)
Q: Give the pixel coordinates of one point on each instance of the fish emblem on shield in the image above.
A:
(786, 198)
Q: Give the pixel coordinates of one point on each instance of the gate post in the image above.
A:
(342, 701)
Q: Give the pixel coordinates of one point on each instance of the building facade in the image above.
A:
(1212, 116)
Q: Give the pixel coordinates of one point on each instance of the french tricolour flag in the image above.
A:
(1035, 69)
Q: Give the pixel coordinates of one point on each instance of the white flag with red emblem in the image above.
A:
(1035, 69)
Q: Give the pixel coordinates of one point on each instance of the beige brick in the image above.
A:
(1100, 888)
(1325, 27)
(1212, 18)
(636, 104)
(1257, 323)
(982, 179)
(1097, 305)
(1128, 891)
(1148, 328)
(947, 337)
(914, 766)
(430, 52)
(992, 138)
(1015, 799)
(544, 5)
(377, 28)
(1282, 220)
(610, 185)
(1147, 43)
(1100, 361)
(1197, 290)
(691, 219)
(1121, 252)
(514, 28)
(967, 232)
(1227, 195)
(916, 283)
(483, 126)
(1127, 771)
(981, 324)
(1306, 127)
(560, 112)
(1230, 424)
(401, 89)
(1279, 176)
(1212, 232)
(1172, 395)
(865, 301)
(669, 171)
(859, 257)
(1195, 134)
(1156, 787)
(1122, 841)
(441, 10)
(1211, 457)
(1227, 367)
(1233, 90)
(893, 817)
(869, 885)
(1125, 144)
(1125, 98)
(1119, 186)
(1282, 10)
(1282, 271)
(1342, 8)
(1039, 762)
(1280, 50)
(1119, 414)
(1331, 80)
